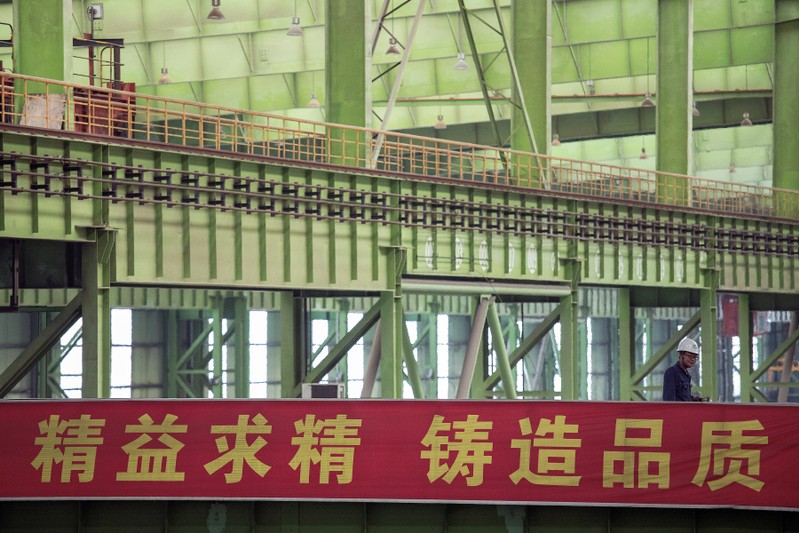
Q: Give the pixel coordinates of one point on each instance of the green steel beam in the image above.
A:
(626, 344)
(96, 312)
(674, 95)
(541, 330)
(391, 343)
(339, 351)
(347, 72)
(773, 357)
(481, 74)
(292, 343)
(501, 353)
(531, 34)
(39, 347)
(241, 345)
(411, 364)
(745, 358)
(473, 348)
(43, 38)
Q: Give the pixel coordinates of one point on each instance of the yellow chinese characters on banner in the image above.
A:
(153, 463)
(632, 467)
(730, 452)
(605, 453)
(556, 453)
(466, 440)
(329, 443)
(72, 443)
(241, 452)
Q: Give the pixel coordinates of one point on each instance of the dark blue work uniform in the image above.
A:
(677, 384)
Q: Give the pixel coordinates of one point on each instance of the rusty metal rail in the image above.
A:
(41, 103)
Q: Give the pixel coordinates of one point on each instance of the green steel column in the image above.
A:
(411, 365)
(674, 95)
(96, 311)
(531, 24)
(290, 341)
(172, 344)
(786, 103)
(391, 345)
(569, 347)
(241, 343)
(626, 345)
(503, 364)
(745, 363)
(709, 358)
(348, 76)
(43, 38)
(273, 354)
(218, 376)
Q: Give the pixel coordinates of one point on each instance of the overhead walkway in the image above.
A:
(140, 191)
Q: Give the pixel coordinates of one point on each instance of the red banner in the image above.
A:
(673, 454)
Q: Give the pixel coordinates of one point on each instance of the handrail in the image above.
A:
(39, 102)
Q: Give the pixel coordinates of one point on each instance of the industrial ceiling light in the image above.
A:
(313, 103)
(295, 30)
(643, 153)
(440, 124)
(555, 139)
(746, 121)
(591, 87)
(695, 110)
(164, 79)
(648, 102)
(393, 49)
(216, 11)
(732, 168)
(461, 64)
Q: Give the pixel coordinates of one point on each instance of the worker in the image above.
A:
(677, 380)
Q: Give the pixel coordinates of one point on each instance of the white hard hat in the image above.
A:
(688, 345)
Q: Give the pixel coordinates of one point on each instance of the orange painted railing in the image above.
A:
(41, 103)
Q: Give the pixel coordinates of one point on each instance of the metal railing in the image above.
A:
(37, 102)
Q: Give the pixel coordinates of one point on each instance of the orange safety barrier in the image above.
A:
(124, 113)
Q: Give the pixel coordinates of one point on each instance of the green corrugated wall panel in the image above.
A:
(590, 20)
(753, 45)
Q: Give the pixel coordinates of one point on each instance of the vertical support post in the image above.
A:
(410, 362)
(218, 376)
(709, 360)
(569, 347)
(503, 364)
(274, 347)
(292, 330)
(472, 349)
(172, 354)
(626, 345)
(390, 345)
(432, 350)
(43, 38)
(241, 346)
(786, 106)
(96, 311)
(373, 363)
(745, 363)
(531, 24)
(348, 63)
(674, 120)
